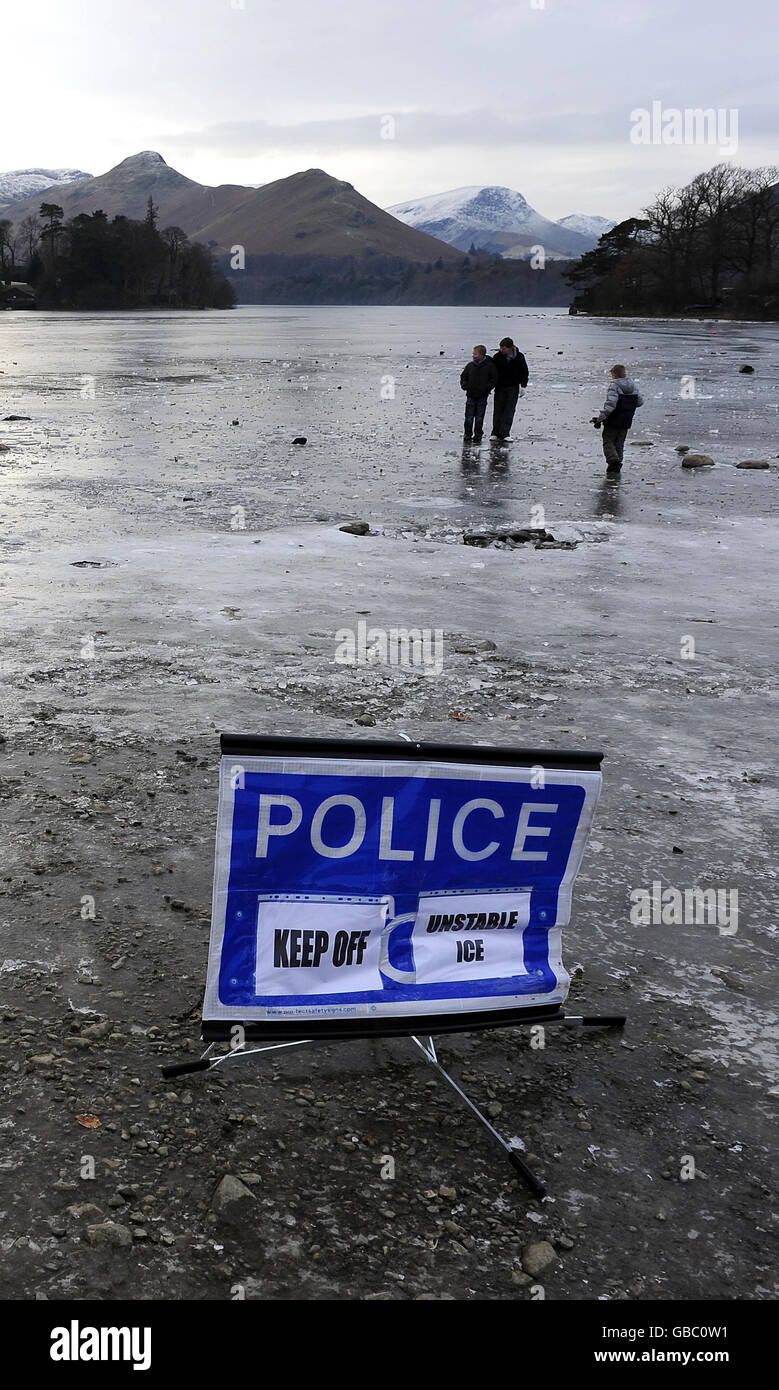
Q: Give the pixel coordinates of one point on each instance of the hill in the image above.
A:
(126, 189)
(587, 226)
(18, 184)
(315, 214)
(492, 218)
(309, 211)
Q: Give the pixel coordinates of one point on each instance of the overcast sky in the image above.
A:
(533, 94)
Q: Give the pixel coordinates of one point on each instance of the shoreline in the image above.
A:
(559, 309)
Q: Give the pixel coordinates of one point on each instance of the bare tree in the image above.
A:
(721, 191)
(7, 251)
(756, 222)
(29, 236)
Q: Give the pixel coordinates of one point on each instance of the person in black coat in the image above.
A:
(512, 373)
(477, 379)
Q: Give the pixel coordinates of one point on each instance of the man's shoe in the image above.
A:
(477, 438)
(613, 470)
(467, 438)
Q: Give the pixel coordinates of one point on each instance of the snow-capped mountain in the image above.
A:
(454, 212)
(25, 183)
(586, 225)
(491, 218)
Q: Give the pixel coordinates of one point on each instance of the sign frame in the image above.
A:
(238, 746)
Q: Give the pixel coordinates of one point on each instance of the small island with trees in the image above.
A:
(93, 262)
(710, 247)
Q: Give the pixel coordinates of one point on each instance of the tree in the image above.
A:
(721, 190)
(29, 236)
(756, 221)
(612, 274)
(175, 238)
(715, 240)
(7, 251)
(612, 247)
(127, 264)
(52, 214)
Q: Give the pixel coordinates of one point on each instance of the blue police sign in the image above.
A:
(361, 885)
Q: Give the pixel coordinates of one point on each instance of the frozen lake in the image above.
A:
(171, 566)
(162, 443)
(145, 402)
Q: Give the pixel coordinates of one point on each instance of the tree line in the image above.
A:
(93, 262)
(479, 278)
(713, 244)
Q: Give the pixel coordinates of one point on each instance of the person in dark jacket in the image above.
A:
(622, 401)
(513, 375)
(477, 380)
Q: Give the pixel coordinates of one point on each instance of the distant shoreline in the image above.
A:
(559, 309)
(674, 318)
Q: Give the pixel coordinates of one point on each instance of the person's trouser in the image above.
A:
(613, 444)
(505, 403)
(475, 407)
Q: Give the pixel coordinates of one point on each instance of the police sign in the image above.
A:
(362, 881)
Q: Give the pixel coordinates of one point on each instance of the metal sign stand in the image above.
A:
(428, 1050)
(383, 751)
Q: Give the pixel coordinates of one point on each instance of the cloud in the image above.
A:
(423, 130)
(534, 96)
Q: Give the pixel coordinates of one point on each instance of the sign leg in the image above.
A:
(536, 1187)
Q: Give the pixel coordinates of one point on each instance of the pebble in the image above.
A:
(109, 1233)
(538, 1258)
(84, 1211)
(728, 978)
(229, 1191)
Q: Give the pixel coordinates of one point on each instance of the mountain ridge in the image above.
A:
(25, 183)
(495, 218)
(308, 211)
